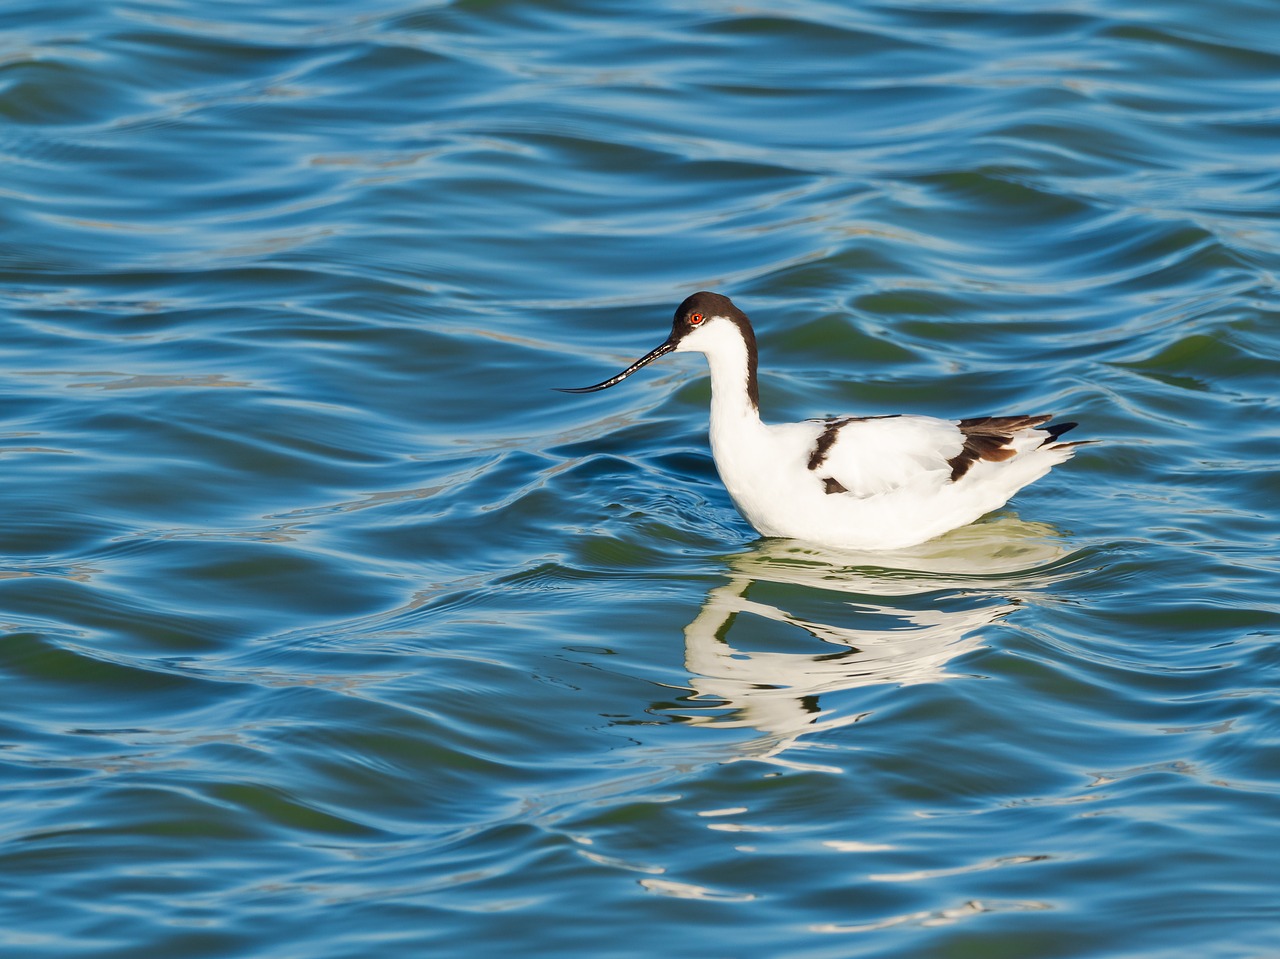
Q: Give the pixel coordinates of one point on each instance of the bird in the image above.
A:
(877, 482)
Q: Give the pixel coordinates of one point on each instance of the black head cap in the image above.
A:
(703, 305)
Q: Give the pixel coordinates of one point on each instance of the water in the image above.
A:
(329, 630)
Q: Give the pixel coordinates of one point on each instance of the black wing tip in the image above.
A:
(988, 437)
(1057, 429)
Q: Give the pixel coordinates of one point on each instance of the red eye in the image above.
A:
(695, 319)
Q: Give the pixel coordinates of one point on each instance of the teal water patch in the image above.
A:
(327, 628)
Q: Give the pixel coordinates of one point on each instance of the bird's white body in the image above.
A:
(896, 470)
(850, 482)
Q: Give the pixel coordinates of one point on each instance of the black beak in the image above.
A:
(645, 360)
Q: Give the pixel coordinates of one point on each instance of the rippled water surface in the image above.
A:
(327, 629)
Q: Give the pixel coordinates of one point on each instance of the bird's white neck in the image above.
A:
(732, 399)
(732, 360)
(736, 429)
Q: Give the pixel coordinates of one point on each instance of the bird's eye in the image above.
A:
(695, 319)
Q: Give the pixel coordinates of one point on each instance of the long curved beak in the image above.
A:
(645, 360)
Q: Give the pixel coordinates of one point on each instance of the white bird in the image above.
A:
(849, 482)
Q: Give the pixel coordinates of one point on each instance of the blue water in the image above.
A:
(328, 629)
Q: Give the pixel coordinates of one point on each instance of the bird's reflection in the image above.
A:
(795, 623)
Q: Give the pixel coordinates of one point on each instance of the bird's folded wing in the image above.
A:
(867, 456)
